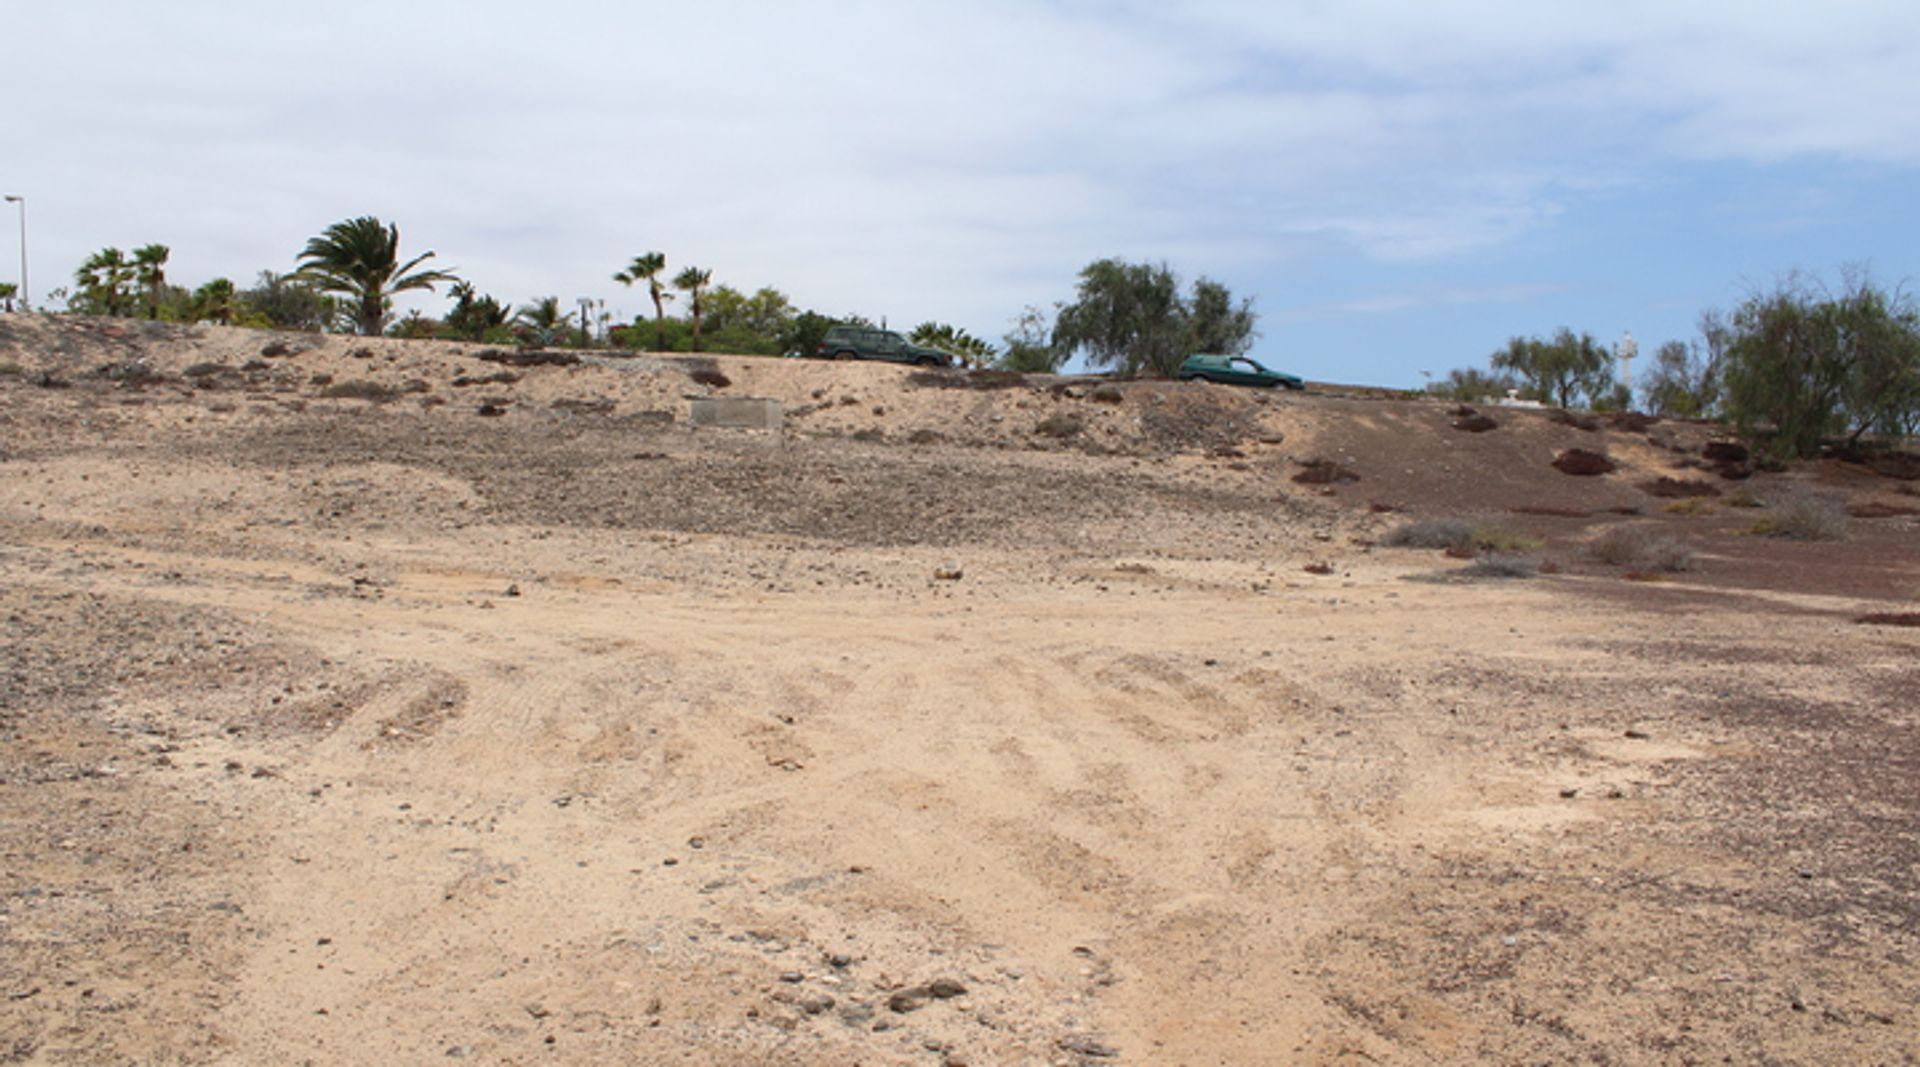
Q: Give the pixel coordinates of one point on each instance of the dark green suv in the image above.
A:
(871, 342)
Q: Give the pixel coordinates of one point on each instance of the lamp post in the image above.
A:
(22, 201)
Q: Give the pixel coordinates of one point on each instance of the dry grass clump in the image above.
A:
(1457, 536)
(1697, 505)
(359, 389)
(1323, 472)
(1800, 514)
(1429, 533)
(1642, 549)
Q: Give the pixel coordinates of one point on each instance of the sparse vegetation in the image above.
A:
(1132, 317)
(1429, 533)
(1801, 514)
(1641, 548)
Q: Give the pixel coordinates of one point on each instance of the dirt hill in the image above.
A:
(366, 700)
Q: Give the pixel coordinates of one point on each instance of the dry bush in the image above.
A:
(1105, 394)
(1641, 548)
(1429, 533)
(1475, 423)
(1693, 505)
(1873, 509)
(1323, 472)
(1678, 488)
(973, 379)
(710, 376)
(1800, 514)
(359, 389)
(1493, 566)
(1578, 422)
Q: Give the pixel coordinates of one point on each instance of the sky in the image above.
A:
(1399, 187)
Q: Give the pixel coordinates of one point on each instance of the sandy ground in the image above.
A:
(928, 731)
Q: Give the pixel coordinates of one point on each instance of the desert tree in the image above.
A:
(1567, 368)
(8, 291)
(1132, 316)
(1029, 344)
(359, 258)
(1473, 385)
(286, 302)
(1215, 324)
(647, 268)
(1804, 364)
(1684, 381)
(693, 281)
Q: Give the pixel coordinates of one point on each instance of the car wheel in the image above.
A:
(843, 354)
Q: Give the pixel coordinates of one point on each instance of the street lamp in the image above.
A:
(22, 201)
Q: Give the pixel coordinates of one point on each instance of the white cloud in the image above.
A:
(949, 160)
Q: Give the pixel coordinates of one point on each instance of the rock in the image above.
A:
(1475, 423)
(907, 1000)
(1060, 426)
(946, 988)
(819, 1004)
(948, 572)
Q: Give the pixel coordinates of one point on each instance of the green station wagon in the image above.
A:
(1235, 370)
(871, 342)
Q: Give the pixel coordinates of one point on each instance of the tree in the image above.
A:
(971, 350)
(103, 283)
(1568, 368)
(1472, 385)
(1684, 382)
(8, 290)
(1802, 364)
(1030, 344)
(648, 267)
(544, 319)
(213, 302)
(474, 314)
(693, 281)
(1215, 324)
(287, 302)
(150, 273)
(1131, 316)
(360, 259)
(805, 332)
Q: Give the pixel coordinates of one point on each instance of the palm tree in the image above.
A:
(649, 267)
(544, 318)
(693, 280)
(213, 302)
(360, 259)
(103, 281)
(150, 272)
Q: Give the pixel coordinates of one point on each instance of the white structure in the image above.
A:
(1623, 352)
